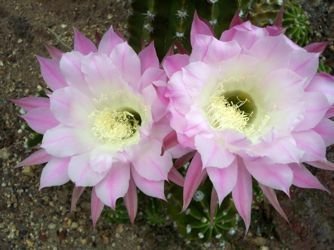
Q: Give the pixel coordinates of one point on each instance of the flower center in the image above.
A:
(115, 126)
(231, 110)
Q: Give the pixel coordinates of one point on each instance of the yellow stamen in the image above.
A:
(114, 126)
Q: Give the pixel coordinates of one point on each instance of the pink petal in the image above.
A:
(55, 173)
(272, 198)
(330, 112)
(82, 43)
(312, 144)
(51, 73)
(236, 20)
(55, 53)
(150, 188)
(148, 57)
(32, 102)
(174, 63)
(213, 154)
(277, 176)
(169, 141)
(317, 47)
(193, 179)
(326, 130)
(77, 192)
(108, 42)
(114, 185)
(175, 177)
(184, 159)
(62, 142)
(199, 27)
(128, 63)
(70, 66)
(71, 107)
(150, 164)
(242, 194)
(323, 83)
(131, 201)
(96, 207)
(40, 119)
(316, 106)
(151, 76)
(213, 204)
(304, 179)
(278, 22)
(36, 158)
(304, 63)
(81, 173)
(223, 179)
(327, 165)
(208, 49)
(244, 34)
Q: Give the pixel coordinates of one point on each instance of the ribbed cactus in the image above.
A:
(196, 222)
(168, 22)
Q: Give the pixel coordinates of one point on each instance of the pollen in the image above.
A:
(115, 126)
(223, 114)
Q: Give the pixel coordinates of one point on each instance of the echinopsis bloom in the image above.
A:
(252, 105)
(102, 123)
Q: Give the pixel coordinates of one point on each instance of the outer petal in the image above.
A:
(32, 102)
(150, 164)
(81, 173)
(51, 73)
(128, 63)
(212, 154)
(96, 206)
(55, 53)
(318, 47)
(70, 66)
(77, 192)
(55, 173)
(40, 119)
(277, 176)
(304, 179)
(108, 42)
(174, 63)
(71, 107)
(223, 180)
(312, 144)
(326, 130)
(194, 177)
(62, 142)
(175, 177)
(242, 194)
(114, 185)
(199, 27)
(323, 83)
(210, 50)
(272, 198)
(316, 106)
(150, 188)
(38, 157)
(131, 201)
(82, 43)
(148, 57)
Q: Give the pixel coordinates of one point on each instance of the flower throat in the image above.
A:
(114, 126)
(231, 109)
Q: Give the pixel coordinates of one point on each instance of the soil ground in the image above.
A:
(33, 219)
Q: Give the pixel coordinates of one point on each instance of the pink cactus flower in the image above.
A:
(102, 123)
(252, 105)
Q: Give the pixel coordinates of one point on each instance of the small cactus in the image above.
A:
(295, 19)
(196, 222)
